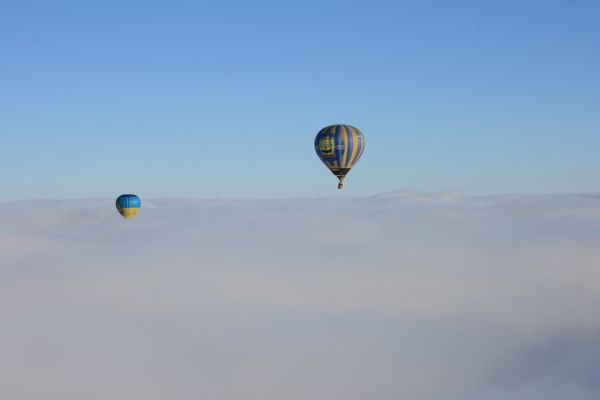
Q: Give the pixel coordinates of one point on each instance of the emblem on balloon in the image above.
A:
(327, 146)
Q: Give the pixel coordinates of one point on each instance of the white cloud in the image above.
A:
(403, 295)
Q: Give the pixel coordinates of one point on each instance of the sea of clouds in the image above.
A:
(405, 295)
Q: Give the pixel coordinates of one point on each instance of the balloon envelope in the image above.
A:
(128, 205)
(339, 147)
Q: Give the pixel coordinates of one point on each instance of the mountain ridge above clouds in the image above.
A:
(400, 194)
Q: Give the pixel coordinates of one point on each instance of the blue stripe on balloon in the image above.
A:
(128, 201)
(339, 144)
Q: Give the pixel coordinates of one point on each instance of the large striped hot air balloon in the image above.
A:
(128, 205)
(339, 147)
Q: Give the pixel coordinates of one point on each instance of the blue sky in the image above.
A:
(190, 98)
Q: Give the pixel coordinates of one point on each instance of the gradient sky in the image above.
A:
(216, 98)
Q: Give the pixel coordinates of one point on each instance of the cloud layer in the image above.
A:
(404, 295)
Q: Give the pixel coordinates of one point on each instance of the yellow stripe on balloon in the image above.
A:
(129, 212)
(344, 133)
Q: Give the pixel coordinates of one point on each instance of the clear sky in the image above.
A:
(224, 98)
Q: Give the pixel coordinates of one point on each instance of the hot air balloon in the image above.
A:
(339, 147)
(128, 205)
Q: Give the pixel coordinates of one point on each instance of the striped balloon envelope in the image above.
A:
(128, 205)
(339, 147)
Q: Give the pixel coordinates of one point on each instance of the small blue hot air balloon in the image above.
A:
(339, 147)
(128, 205)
